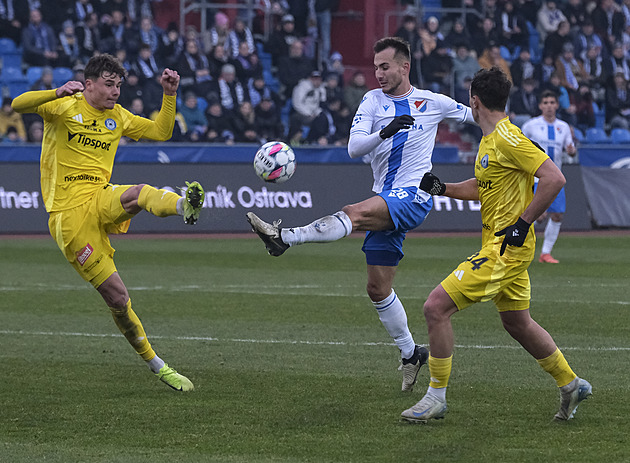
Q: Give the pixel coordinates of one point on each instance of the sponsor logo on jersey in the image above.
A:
(421, 105)
(88, 141)
(86, 177)
(484, 162)
(486, 185)
(385, 107)
(84, 254)
(459, 106)
(459, 274)
(78, 118)
(110, 124)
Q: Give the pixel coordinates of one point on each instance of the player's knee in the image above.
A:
(116, 302)
(378, 292)
(432, 310)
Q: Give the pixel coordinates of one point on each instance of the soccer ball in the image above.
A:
(274, 162)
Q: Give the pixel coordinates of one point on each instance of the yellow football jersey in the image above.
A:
(80, 144)
(504, 168)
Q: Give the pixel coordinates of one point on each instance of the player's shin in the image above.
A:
(440, 370)
(328, 228)
(394, 318)
(130, 326)
(552, 230)
(161, 203)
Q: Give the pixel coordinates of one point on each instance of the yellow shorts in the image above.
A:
(82, 233)
(487, 276)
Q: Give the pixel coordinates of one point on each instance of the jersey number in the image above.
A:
(477, 263)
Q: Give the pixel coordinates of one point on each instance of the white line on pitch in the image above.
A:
(281, 341)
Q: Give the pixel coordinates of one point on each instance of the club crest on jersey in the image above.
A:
(110, 124)
(421, 105)
(484, 161)
(385, 107)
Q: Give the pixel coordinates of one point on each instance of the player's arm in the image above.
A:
(550, 182)
(362, 143)
(29, 101)
(466, 190)
(161, 128)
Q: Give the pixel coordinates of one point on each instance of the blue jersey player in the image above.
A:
(395, 128)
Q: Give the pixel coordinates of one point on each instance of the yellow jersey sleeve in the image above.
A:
(518, 151)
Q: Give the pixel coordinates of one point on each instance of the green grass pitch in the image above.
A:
(291, 363)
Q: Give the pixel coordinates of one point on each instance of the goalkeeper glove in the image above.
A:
(514, 234)
(400, 122)
(432, 185)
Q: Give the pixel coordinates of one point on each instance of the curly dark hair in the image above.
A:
(492, 87)
(106, 64)
(400, 45)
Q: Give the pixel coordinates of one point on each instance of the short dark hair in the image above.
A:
(401, 47)
(103, 64)
(492, 87)
(548, 94)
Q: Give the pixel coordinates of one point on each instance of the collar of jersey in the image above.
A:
(400, 97)
(89, 108)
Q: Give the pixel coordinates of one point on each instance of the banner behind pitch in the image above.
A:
(233, 189)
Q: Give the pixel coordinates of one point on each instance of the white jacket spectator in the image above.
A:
(549, 16)
(308, 95)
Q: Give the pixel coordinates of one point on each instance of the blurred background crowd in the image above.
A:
(241, 83)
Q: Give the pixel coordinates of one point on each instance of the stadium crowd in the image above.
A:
(232, 91)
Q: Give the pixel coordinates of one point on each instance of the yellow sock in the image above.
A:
(161, 203)
(129, 325)
(557, 366)
(440, 370)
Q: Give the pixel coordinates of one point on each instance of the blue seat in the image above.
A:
(17, 88)
(33, 74)
(12, 59)
(620, 136)
(12, 74)
(202, 104)
(62, 75)
(596, 135)
(578, 135)
(7, 46)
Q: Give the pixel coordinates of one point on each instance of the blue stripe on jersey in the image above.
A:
(551, 136)
(398, 143)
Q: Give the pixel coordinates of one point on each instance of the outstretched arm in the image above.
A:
(162, 128)
(27, 102)
(461, 190)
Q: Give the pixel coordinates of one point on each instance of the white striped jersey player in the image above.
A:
(402, 160)
(553, 137)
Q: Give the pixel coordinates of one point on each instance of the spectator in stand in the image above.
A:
(569, 69)
(45, 82)
(281, 40)
(485, 37)
(219, 34)
(335, 64)
(430, 34)
(555, 42)
(146, 65)
(194, 70)
(258, 90)
(333, 89)
(323, 13)
(576, 14)
(547, 67)
(608, 21)
(13, 16)
(230, 91)
(322, 129)
(173, 45)
(512, 26)
(10, 118)
(522, 68)
(523, 103)
(247, 65)
(353, 92)
(594, 68)
(238, 35)
(436, 69)
(78, 73)
(409, 31)
(307, 99)
(246, 128)
(137, 107)
(117, 34)
(617, 62)
(584, 111)
(131, 89)
(11, 137)
(220, 126)
(300, 10)
(82, 9)
(549, 18)
(586, 37)
(122, 56)
(464, 64)
(458, 35)
(36, 132)
(618, 103)
(39, 42)
(268, 122)
(196, 122)
(295, 67)
(492, 57)
(151, 35)
(69, 50)
(218, 59)
(89, 36)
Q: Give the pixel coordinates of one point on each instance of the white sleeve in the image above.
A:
(361, 143)
(451, 109)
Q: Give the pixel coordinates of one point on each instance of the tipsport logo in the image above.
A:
(83, 140)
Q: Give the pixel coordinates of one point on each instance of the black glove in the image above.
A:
(514, 234)
(400, 122)
(432, 185)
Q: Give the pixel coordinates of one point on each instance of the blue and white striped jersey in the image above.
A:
(554, 137)
(402, 160)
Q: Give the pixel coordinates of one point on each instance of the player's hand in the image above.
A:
(170, 81)
(514, 234)
(69, 88)
(432, 185)
(571, 150)
(399, 123)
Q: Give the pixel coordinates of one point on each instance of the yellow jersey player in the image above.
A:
(506, 165)
(82, 129)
